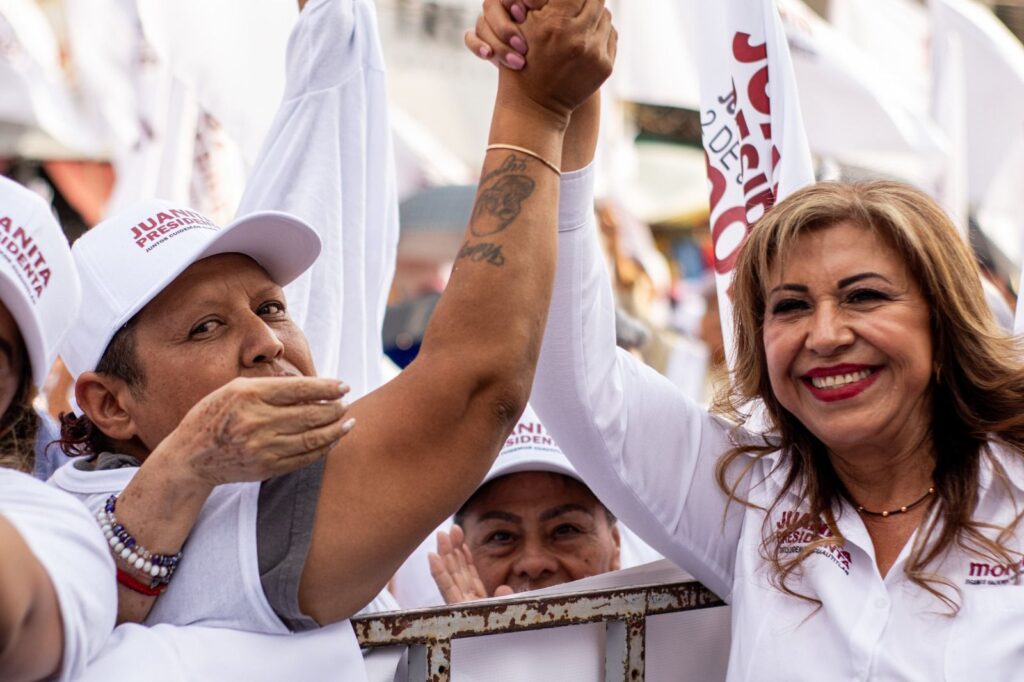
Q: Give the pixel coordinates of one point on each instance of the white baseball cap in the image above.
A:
(38, 283)
(530, 448)
(128, 259)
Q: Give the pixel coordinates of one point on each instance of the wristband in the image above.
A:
(159, 568)
(526, 151)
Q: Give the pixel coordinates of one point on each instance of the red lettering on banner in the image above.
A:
(746, 53)
(756, 162)
(757, 91)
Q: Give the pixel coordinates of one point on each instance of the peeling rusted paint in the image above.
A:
(434, 628)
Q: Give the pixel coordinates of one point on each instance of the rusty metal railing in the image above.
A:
(429, 632)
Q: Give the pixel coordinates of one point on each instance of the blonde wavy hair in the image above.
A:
(977, 395)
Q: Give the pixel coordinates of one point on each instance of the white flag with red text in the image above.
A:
(752, 129)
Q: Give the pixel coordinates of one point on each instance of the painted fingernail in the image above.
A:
(485, 51)
(347, 425)
(515, 61)
(518, 44)
(518, 14)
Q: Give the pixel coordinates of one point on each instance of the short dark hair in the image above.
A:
(78, 435)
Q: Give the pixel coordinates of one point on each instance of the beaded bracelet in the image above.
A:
(158, 567)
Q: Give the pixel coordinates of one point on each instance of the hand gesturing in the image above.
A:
(454, 572)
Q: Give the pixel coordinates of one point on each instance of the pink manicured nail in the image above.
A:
(518, 44)
(518, 14)
(515, 61)
(485, 51)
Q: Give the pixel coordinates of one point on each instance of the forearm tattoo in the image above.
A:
(500, 201)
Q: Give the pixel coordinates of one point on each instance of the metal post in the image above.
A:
(624, 650)
(431, 662)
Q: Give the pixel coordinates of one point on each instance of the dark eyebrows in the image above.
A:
(847, 281)
(843, 283)
(564, 509)
(500, 516)
(799, 288)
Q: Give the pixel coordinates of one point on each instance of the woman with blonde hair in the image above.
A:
(871, 520)
(857, 496)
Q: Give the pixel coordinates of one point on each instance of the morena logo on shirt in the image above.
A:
(25, 257)
(798, 529)
(157, 229)
(984, 573)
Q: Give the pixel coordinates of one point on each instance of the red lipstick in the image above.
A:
(830, 390)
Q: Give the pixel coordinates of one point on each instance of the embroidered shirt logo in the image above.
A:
(984, 573)
(798, 529)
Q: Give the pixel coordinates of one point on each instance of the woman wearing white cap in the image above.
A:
(532, 523)
(57, 597)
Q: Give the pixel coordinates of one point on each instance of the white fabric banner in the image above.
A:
(853, 110)
(897, 34)
(329, 159)
(238, 74)
(994, 92)
(655, 63)
(35, 92)
(753, 132)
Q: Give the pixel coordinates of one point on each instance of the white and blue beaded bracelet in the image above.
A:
(158, 567)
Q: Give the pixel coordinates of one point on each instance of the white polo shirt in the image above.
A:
(649, 454)
(66, 540)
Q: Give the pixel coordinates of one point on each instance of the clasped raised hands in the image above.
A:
(561, 51)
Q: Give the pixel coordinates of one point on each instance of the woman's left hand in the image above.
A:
(497, 37)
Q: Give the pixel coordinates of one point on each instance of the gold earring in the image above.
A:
(938, 372)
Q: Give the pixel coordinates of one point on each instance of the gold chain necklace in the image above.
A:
(900, 510)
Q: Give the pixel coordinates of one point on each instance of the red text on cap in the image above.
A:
(154, 227)
(21, 251)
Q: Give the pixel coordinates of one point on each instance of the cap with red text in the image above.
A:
(127, 260)
(530, 448)
(38, 283)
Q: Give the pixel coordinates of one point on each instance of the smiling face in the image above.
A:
(847, 338)
(220, 319)
(536, 529)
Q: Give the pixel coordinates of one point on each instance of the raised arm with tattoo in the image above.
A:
(426, 439)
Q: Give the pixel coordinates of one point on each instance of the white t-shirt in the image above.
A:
(168, 653)
(67, 541)
(328, 158)
(650, 453)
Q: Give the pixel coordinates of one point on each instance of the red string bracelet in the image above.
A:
(134, 585)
